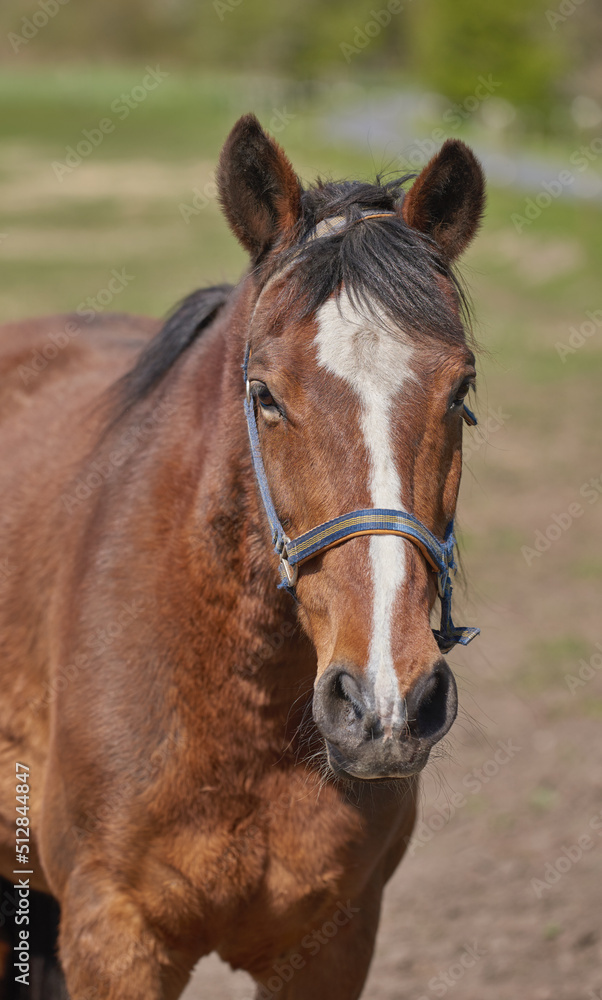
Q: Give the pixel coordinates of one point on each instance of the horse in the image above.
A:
(222, 539)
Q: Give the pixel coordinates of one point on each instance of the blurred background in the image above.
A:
(112, 115)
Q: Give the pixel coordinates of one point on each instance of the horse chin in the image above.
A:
(359, 770)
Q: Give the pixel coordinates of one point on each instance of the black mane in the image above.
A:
(188, 320)
(382, 263)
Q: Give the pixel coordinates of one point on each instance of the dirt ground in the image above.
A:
(492, 829)
(501, 894)
(469, 890)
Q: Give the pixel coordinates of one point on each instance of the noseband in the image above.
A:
(374, 521)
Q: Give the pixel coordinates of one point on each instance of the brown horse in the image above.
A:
(210, 764)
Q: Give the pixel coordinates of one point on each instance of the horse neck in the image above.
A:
(230, 558)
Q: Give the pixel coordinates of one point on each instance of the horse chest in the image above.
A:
(319, 852)
(294, 859)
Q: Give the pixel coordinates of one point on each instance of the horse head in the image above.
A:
(357, 370)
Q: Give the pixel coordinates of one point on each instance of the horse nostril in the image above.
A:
(339, 706)
(433, 703)
(347, 688)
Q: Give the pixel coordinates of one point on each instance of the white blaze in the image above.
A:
(376, 365)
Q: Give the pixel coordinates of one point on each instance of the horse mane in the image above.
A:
(384, 264)
(187, 321)
(327, 198)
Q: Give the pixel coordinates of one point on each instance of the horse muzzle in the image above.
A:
(362, 742)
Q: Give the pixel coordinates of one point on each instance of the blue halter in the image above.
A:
(291, 553)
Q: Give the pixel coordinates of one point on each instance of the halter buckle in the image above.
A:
(290, 573)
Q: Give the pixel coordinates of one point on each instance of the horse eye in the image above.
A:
(265, 398)
(462, 392)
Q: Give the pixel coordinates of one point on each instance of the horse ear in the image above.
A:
(447, 199)
(259, 191)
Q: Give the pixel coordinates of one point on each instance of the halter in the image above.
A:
(374, 521)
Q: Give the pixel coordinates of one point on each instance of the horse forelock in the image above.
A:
(380, 262)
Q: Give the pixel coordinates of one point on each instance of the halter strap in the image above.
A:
(332, 225)
(375, 521)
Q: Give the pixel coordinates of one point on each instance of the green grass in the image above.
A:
(543, 799)
(121, 209)
(529, 289)
(185, 121)
(549, 660)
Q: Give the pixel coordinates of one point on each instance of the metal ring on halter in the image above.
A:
(438, 552)
(290, 572)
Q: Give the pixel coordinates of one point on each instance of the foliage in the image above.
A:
(442, 44)
(456, 41)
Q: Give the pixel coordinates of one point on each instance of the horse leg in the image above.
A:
(332, 958)
(108, 949)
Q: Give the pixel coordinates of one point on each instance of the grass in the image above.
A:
(122, 208)
(548, 661)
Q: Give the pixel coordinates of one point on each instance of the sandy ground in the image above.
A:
(475, 886)
(469, 912)
(501, 896)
